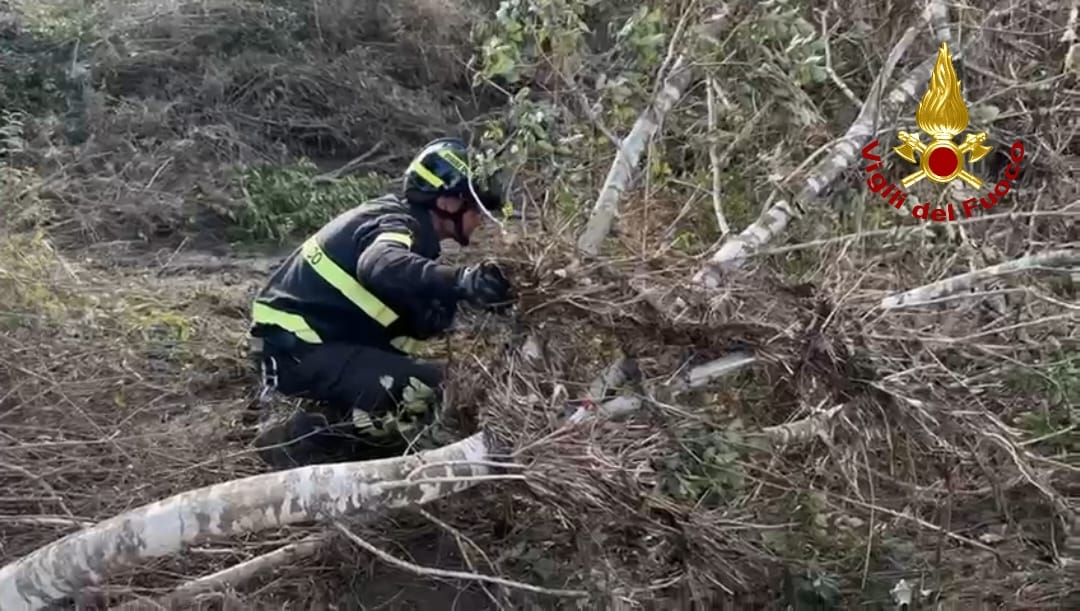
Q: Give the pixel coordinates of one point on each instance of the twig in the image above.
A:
(44, 484)
(962, 282)
(461, 540)
(714, 158)
(46, 521)
(910, 229)
(829, 67)
(433, 572)
(351, 166)
(745, 132)
(919, 521)
(1060, 505)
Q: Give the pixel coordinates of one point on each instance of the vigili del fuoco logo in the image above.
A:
(942, 115)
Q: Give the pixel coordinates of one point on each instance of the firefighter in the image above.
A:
(339, 321)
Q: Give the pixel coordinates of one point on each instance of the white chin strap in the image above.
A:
(483, 208)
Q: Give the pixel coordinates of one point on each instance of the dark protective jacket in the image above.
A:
(366, 277)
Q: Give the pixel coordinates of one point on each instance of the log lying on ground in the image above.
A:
(963, 282)
(251, 504)
(261, 502)
(629, 154)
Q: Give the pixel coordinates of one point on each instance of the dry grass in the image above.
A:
(953, 464)
(172, 99)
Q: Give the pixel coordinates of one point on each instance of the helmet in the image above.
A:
(441, 168)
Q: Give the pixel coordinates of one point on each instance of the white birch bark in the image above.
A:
(937, 15)
(627, 157)
(800, 431)
(1069, 36)
(696, 377)
(252, 504)
(963, 282)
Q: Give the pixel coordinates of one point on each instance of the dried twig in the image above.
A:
(433, 572)
(840, 84)
(353, 164)
(714, 158)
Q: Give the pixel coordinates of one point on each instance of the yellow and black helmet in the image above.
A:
(441, 168)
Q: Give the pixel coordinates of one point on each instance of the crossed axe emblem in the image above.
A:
(941, 160)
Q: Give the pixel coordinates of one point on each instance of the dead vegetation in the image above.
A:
(945, 471)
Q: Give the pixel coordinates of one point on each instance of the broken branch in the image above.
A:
(626, 159)
(774, 220)
(955, 284)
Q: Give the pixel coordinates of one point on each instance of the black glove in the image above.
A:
(484, 285)
(434, 319)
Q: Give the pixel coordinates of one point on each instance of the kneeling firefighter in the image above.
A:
(337, 321)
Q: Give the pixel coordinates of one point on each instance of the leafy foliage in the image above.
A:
(707, 470)
(281, 202)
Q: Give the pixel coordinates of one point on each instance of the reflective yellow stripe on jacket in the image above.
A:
(405, 344)
(293, 323)
(348, 286)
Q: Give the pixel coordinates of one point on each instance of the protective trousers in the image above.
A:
(368, 403)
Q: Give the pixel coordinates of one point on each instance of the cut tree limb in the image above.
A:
(629, 154)
(965, 281)
(800, 431)
(774, 220)
(618, 373)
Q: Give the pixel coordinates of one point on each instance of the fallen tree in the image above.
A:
(271, 500)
